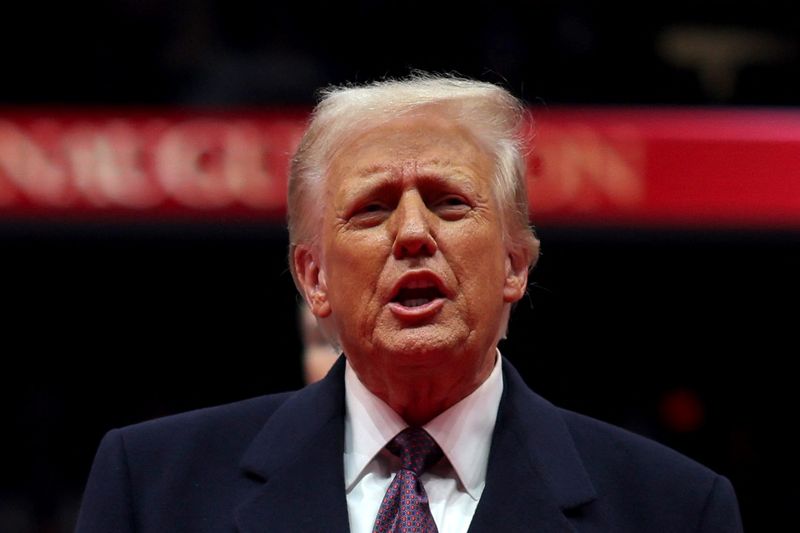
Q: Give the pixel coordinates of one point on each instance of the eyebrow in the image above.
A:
(372, 170)
(432, 167)
(382, 176)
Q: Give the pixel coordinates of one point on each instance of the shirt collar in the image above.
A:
(464, 431)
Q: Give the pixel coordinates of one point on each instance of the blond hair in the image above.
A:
(489, 112)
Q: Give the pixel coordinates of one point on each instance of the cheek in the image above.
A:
(354, 267)
(481, 274)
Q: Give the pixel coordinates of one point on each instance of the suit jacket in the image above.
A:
(275, 464)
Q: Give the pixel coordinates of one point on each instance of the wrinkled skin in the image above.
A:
(412, 200)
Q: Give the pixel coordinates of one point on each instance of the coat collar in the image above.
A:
(295, 463)
(535, 474)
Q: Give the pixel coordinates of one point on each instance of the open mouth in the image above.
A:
(417, 293)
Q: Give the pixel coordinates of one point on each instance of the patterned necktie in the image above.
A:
(405, 506)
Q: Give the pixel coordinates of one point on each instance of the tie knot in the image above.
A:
(416, 449)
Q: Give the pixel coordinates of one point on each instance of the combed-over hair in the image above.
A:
(489, 112)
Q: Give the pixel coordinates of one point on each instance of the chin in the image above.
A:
(427, 345)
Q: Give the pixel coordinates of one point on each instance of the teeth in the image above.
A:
(416, 302)
(419, 284)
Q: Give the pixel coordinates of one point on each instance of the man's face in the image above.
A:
(414, 274)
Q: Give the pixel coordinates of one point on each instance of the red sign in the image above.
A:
(588, 166)
(676, 167)
(146, 163)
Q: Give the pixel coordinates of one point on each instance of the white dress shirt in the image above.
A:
(454, 484)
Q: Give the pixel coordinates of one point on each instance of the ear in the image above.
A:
(518, 263)
(312, 280)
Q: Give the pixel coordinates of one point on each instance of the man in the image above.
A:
(410, 242)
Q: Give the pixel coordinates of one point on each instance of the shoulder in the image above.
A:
(216, 438)
(647, 481)
(225, 428)
(600, 442)
(614, 458)
(171, 465)
(609, 478)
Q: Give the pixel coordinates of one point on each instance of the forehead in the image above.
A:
(409, 146)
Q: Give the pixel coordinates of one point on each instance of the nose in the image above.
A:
(413, 236)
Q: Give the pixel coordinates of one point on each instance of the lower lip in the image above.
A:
(416, 313)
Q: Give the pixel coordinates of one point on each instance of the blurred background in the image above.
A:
(143, 148)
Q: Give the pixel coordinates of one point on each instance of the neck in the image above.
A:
(421, 396)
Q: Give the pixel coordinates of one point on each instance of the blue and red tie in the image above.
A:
(405, 506)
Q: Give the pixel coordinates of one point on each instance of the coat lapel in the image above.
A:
(535, 474)
(296, 464)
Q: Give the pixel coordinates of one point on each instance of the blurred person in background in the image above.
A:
(318, 354)
(410, 243)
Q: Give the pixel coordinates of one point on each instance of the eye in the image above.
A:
(372, 208)
(452, 201)
(370, 214)
(451, 207)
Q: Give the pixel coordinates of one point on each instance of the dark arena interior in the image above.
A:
(665, 189)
